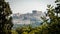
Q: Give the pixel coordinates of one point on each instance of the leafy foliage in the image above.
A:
(5, 18)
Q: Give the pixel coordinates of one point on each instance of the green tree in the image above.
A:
(57, 9)
(53, 27)
(5, 18)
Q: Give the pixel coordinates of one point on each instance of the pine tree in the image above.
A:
(5, 18)
(53, 27)
(57, 9)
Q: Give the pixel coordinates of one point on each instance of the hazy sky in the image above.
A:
(24, 6)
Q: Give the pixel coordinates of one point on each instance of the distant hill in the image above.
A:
(33, 18)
